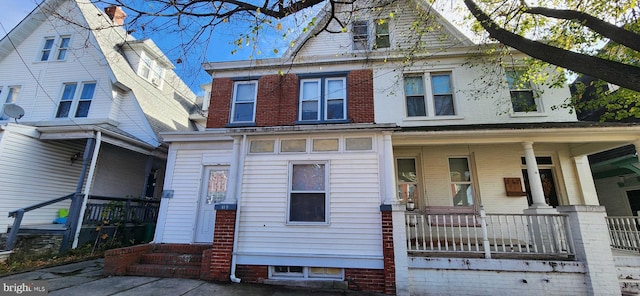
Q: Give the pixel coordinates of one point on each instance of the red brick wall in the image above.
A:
(388, 253)
(219, 257)
(370, 280)
(277, 99)
(220, 104)
(252, 273)
(277, 102)
(360, 96)
(116, 261)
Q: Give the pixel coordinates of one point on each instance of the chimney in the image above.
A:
(116, 14)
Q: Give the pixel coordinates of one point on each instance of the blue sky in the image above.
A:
(190, 70)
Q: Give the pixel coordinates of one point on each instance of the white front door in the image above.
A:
(214, 191)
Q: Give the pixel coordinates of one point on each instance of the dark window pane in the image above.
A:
(83, 108)
(415, 106)
(63, 109)
(243, 112)
(310, 110)
(444, 104)
(307, 207)
(335, 109)
(523, 101)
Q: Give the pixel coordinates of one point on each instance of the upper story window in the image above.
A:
(8, 95)
(364, 38)
(74, 102)
(438, 100)
(55, 46)
(151, 70)
(522, 95)
(323, 99)
(244, 101)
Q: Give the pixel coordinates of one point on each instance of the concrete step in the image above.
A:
(171, 259)
(627, 261)
(190, 272)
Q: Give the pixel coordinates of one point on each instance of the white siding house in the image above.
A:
(80, 92)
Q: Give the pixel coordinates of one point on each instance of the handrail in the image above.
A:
(40, 205)
(19, 213)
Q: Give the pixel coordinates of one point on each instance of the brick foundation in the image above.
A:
(368, 280)
(252, 273)
(219, 257)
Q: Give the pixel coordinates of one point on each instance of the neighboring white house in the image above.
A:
(84, 85)
(308, 162)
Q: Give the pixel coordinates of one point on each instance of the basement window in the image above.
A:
(300, 272)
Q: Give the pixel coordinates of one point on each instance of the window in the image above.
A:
(407, 175)
(382, 34)
(75, 103)
(308, 195)
(46, 49)
(436, 101)
(151, 70)
(461, 184)
(323, 99)
(62, 47)
(546, 170)
(9, 96)
(307, 272)
(244, 98)
(360, 32)
(522, 97)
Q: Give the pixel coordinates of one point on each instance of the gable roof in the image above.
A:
(165, 109)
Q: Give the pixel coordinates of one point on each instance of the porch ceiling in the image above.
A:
(582, 138)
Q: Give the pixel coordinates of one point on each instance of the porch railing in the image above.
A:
(624, 232)
(123, 210)
(489, 234)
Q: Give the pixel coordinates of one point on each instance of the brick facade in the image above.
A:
(252, 273)
(277, 100)
(219, 257)
(369, 280)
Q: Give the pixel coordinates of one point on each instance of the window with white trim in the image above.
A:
(75, 102)
(57, 46)
(323, 99)
(382, 34)
(151, 70)
(308, 194)
(328, 273)
(243, 109)
(437, 100)
(360, 32)
(461, 181)
(366, 38)
(523, 98)
(8, 95)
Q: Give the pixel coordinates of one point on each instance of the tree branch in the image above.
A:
(608, 30)
(617, 73)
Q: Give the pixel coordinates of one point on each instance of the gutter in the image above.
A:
(238, 185)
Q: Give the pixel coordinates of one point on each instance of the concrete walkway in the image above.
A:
(85, 278)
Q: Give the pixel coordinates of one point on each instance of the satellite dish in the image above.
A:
(14, 111)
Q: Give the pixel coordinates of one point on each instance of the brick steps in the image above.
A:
(171, 259)
(178, 271)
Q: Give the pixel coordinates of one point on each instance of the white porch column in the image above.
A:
(585, 180)
(232, 182)
(389, 171)
(535, 184)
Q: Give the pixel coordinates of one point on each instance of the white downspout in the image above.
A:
(87, 188)
(238, 185)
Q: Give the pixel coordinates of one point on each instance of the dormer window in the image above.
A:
(360, 35)
(55, 46)
(151, 70)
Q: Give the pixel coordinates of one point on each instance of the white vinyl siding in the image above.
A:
(354, 227)
(185, 180)
(42, 167)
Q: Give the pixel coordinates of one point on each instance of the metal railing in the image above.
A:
(624, 232)
(487, 234)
